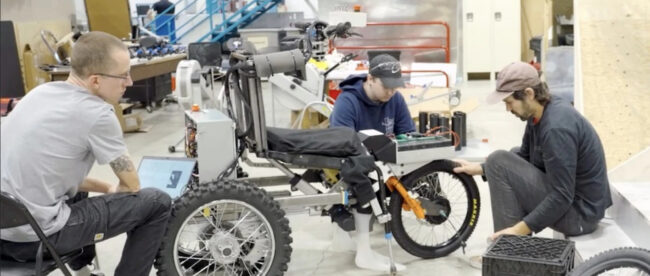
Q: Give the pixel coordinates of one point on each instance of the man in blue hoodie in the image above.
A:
(371, 101)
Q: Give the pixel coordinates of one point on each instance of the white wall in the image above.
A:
(36, 10)
(180, 4)
(308, 7)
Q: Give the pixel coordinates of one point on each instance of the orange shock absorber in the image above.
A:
(409, 203)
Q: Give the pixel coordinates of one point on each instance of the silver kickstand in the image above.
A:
(384, 219)
(393, 269)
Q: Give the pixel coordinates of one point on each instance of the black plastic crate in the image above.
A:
(524, 255)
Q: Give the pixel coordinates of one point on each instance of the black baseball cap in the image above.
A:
(388, 70)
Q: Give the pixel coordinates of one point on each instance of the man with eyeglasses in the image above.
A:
(370, 101)
(558, 177)
(49, 144)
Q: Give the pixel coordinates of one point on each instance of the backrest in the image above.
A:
(14, 213)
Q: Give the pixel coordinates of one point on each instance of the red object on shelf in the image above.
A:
(536, 65)
(333, 90)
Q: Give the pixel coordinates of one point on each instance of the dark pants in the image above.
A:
(142, 215)
(517, 187)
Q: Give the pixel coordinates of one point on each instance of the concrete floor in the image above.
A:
(312, 236)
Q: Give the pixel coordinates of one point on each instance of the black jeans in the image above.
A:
(142, 215)
(517, 187)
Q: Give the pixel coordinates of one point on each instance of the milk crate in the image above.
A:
(525, 255)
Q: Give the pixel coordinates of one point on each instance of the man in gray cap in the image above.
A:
(558, 177)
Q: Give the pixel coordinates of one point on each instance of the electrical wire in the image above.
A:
(432, 132)
(232, 78)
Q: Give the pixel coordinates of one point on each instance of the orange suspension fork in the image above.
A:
(409, 203)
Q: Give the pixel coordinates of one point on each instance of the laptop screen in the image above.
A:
(169, 174)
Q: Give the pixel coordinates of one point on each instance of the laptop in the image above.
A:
(169, 174)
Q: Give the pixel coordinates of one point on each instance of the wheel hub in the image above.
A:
(438, 209)
(224, 247)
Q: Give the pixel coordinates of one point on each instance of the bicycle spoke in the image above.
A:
(235, 222)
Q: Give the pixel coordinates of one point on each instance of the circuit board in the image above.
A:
(408, 143)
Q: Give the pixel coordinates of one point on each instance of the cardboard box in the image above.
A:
(129, 122)
(312, 119)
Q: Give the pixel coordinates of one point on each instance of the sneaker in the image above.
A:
(476, 262)
(84, 271)
(342, 217)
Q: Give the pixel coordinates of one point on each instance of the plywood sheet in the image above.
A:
(112, 17)
(614, 39)
(32, 51)
(536, 18)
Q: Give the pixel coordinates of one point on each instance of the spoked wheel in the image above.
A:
(619, 261)
(452, 206)
(225, 228)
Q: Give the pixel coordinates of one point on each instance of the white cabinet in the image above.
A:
(491, 35)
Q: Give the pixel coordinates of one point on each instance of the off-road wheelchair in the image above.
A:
(234, 226)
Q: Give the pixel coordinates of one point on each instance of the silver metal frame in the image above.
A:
(312, 197)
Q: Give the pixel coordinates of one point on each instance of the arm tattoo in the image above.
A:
(121, 164)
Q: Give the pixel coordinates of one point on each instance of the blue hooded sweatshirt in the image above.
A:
(355, 110)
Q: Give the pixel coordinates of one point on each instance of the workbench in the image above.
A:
(140, 68)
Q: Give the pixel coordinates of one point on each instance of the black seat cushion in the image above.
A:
(332, 142)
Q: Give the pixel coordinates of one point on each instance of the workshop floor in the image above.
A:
(312, 235)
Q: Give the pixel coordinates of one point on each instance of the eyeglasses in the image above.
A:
(393, 66)
(125, 76)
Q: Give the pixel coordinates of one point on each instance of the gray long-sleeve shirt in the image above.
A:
(565, 146)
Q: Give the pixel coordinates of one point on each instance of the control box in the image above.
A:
(423, 149)
(210, 139)
(407, 149)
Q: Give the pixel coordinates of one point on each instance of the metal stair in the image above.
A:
(222, 31)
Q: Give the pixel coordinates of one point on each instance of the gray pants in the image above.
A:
(517, 187)
(142, 215)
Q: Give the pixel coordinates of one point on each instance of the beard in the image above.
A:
(526, 113)
(522, 117)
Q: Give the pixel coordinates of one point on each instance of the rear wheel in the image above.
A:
(452, 203)
(225, 228)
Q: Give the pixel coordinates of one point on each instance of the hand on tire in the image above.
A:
(468, 167)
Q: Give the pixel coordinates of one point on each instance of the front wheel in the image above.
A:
(618, 261)
(226, 227)
(452, 203)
